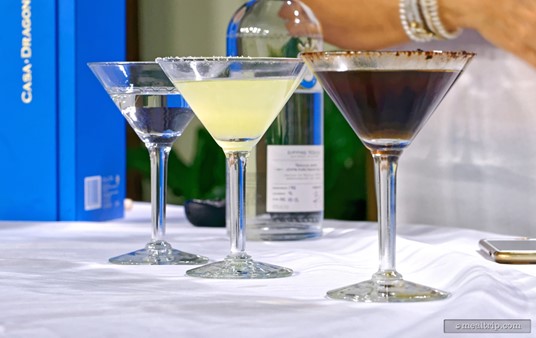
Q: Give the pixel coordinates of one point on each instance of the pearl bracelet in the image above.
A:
(421, 22)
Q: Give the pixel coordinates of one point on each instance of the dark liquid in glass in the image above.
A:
(387, 108)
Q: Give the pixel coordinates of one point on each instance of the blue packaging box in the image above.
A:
(62, 140)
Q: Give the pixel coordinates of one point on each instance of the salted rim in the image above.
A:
(226, 59)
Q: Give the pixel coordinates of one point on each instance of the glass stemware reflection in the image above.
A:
(386, 97)
(158, 114)
(236, 99)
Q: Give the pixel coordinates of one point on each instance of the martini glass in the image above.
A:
(386, 97)
(236, 99)
(158, 114)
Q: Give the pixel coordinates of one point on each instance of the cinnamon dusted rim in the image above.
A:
(407, 53)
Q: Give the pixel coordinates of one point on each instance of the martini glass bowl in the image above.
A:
(158, 114)
(236, 99)
(386, 97)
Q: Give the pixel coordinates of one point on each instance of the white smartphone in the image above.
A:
(510, 251)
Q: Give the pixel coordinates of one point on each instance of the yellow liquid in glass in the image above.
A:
(237, 112)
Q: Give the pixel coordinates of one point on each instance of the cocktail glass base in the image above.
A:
(239, 267)
(158, 253)
(387, 291)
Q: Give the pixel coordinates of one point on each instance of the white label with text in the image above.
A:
(295, 178)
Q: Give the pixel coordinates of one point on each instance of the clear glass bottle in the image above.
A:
(285, 174)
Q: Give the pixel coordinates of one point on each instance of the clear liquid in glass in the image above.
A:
(157, 117)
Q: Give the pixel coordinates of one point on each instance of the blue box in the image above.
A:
(62, 140)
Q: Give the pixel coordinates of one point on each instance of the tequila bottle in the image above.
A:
(285, 183)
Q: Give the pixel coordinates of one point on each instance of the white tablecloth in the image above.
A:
(55, 281)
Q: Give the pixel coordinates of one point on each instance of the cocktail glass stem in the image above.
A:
(158, 251)
(238, 264)
(385, 167)
(159, 158)
(236, 169)
(387, 285)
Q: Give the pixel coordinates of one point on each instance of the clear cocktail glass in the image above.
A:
(386, 97)
(236, 99)
(155, 110)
